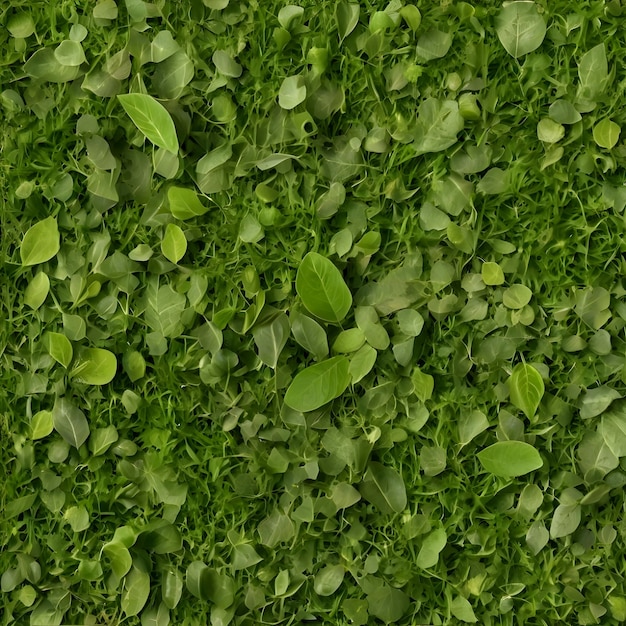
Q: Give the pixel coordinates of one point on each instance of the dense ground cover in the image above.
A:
(312, 313)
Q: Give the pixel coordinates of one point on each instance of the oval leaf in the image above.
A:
(322, 288)
(37, 291)
(59, 347)
(94, 366)
(152, 119)
(520, 28)
(328, 580)
(606, 133)
(510, 458)
(318, 384)
(70, 422)
(41, 242)
(526, 388)
(136, 591)
(174, 244)
(292, 92)
(432, 546)
(384, 488)
(184, 203)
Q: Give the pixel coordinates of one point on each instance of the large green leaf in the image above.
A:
(94, 366)
(510, 458)
(70, 422)
(520, 28)
(152, 119)
(41, 242)
(526, 388)
(438, 124)
(322, 288)
(384, 488)
(318, 384)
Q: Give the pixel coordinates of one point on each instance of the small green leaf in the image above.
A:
(59, 347)
(424, 384)
(437, 127)
(174, 243)
(152, 119)
(565, 520)
(309, 334)
(516, 296)
(492, 274)
(274, 529)
(42, 425)
(171, 587)
(527, 388)
(434, 543)
(41, 242)
(270, 339)
(410, 322)
(70, 422)
(520, 28)
(322, 288)
(510, 458)
(119, 557)
(328, 580)
(94, 366)
(362, 362)
(102, 439)
(347, 18)
(462, 610)
(318, 384)
(70, 53)
(550, 131)
(606, 133)
(184, 203)
(136, 591)
(292, 92)
(37, 291)
(384, 488)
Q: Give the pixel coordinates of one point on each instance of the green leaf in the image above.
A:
(516, 296)
(164, 308)
(37, 291)
(41, 242)
(384, 488)
(520, 28)
(606, 133)
(472, 424)
(226, 65)
(492, 274)
(510, 458)
(328, 580)
(565, 520)
(462, 610)
(136, 591)
(184, 203)
(613, 429)
(94, 366)
(424, 384)
(526, 388)
(593, 72)
(596, 401)
(309, 334)
(437, 127)
(318, 384)
(292, 92)
(322, 288)
(70, 53)
(433, 44)
(59, 347)
(42, 424)
(432, 546)
(410, 322)
(270, 339)
(102, 439)
(275, 529)
(156, 616)
(361, 363)
(198, 580)
(171, 587)
(152, 119)
(347, 15)
(70, 422)
(174, 243)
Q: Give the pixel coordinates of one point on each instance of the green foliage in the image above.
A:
(312, 312)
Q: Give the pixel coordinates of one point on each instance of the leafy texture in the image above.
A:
(318, 384)
(527, 388)
(384, 488)
(510, 458)
(70, 422)
(322, 288)
(438, 123)
(152, 119)
(41, 242)
(520, 28)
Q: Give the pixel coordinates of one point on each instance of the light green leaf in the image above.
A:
(292, 92)
(471, 424)
(516, 296)
(433, 44)
(70, 53)
(171, 587)
(156, 616)
(70, 422)
(37, 291)
(274, 529)
(613, 429)
(433, 544)
(328, 580)
(174, 243)
(184, 203)
(462, 610)
(226, 65)
(564, 112)
(94, 366)
(384, 488)
(42, 424)
(41, 242)
(510, 458)
(596, 401)
(322, 288)
(565, 520)
(136, 591)
(593, 72)
(318, 384)
(344, 495)
(173, 75)
(410, 322)
(606, 133)
(424, 384)
(349, 340)
(347, 18)
(198, 580)
(102, 439)
(520, 28)
(152, 119)
(362, 362)
(164, 307)
(527, 388)
(270, 339)
(550, 131)
(59, 347)
(492, 274)
(437, 127)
